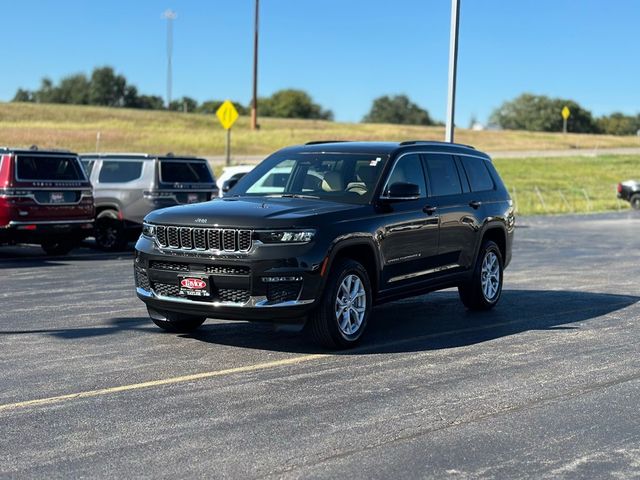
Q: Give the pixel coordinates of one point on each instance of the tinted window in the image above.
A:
(443, 175)
(88, 166)
(477, 173)
(185, 172)
(114, 171)
(408, 170)
(48, 168)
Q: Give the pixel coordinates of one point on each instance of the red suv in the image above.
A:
(45, 198)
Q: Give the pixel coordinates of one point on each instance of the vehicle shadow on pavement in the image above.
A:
(13, 259)
(116, 325)
(438, 321)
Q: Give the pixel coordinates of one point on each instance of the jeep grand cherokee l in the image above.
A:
(127, 186)
(45, 198)
(343, 226)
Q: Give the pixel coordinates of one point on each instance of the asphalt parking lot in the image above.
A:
(545, 386)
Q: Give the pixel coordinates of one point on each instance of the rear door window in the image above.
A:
(443, 175)
(185, 172)
(477, 173)
(118, 171)
(37, 167)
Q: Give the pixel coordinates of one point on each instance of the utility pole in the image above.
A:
(254, 101)
(453, 67)
(170, 16)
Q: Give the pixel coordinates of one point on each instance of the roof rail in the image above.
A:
(319, 142)
(414, 142)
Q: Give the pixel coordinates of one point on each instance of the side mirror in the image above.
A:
(229, 184)
(402, 191)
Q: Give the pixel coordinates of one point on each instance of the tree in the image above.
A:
(398, 109)
(107, 88)
(23, 96)
(150, 102)
(184, 104)
(292, 103)
(73, 89)
(619, 124)
(542, 114)
(211, 106)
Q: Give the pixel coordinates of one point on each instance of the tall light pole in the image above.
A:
(254, 100)
(453, 67)
(170, 15)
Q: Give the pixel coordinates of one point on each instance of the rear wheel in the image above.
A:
(341, 318)
(58, 247)
(635, 201)
(483, 290)
(109, 232)
(175, 322)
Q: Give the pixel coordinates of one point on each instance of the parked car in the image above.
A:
(345, 226)
(45, 198)
(127, 186)
(630, 191)
(230, 176)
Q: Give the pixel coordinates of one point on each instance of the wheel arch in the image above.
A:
(496, 233)
(362, 250)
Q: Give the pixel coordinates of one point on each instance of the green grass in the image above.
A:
(568, 184)
(75, 128)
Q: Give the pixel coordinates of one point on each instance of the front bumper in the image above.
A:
(238, 289)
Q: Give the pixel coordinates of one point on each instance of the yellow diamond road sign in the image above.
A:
(227, 114)
(565, 112)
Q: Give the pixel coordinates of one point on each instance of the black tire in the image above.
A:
(58, 247)
(175, 322)
(635, 201)
(109, 232)
(472, 294)
(322, 325)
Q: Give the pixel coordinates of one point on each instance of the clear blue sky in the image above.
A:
(343, 52)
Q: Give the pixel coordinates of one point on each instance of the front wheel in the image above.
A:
(342, 315)
(58, 247)
(175, 322)
(483, 290)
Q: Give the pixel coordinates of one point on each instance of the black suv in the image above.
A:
(323, 231)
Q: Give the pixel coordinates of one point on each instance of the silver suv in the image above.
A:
(127, 186)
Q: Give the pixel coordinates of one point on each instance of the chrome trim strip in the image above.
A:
(427, 152)
(423, 272)
(50, 222)
(254, 301)
(33, 197)
(207, 230)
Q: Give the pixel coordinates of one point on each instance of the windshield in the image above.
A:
(40, 167)
(184, 172)
(338, 177)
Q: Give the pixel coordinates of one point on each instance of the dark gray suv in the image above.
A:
(127, 186)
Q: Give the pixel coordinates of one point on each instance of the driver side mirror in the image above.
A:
(402, 191)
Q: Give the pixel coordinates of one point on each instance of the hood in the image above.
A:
(250, 213)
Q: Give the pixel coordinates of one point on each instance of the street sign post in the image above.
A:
(565, 116)
(227, 114)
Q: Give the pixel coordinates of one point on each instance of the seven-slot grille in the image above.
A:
(203, 239)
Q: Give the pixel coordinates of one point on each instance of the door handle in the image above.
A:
(475, 204)
(429, 210)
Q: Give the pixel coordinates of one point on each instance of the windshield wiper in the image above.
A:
(293, 195)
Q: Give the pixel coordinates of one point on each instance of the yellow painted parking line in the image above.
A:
(164, 381)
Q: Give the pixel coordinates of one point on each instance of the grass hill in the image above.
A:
(75, 128)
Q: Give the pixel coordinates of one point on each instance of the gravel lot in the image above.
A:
(545, 386)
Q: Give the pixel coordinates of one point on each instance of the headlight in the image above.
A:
(287, 236)
(148, 230)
